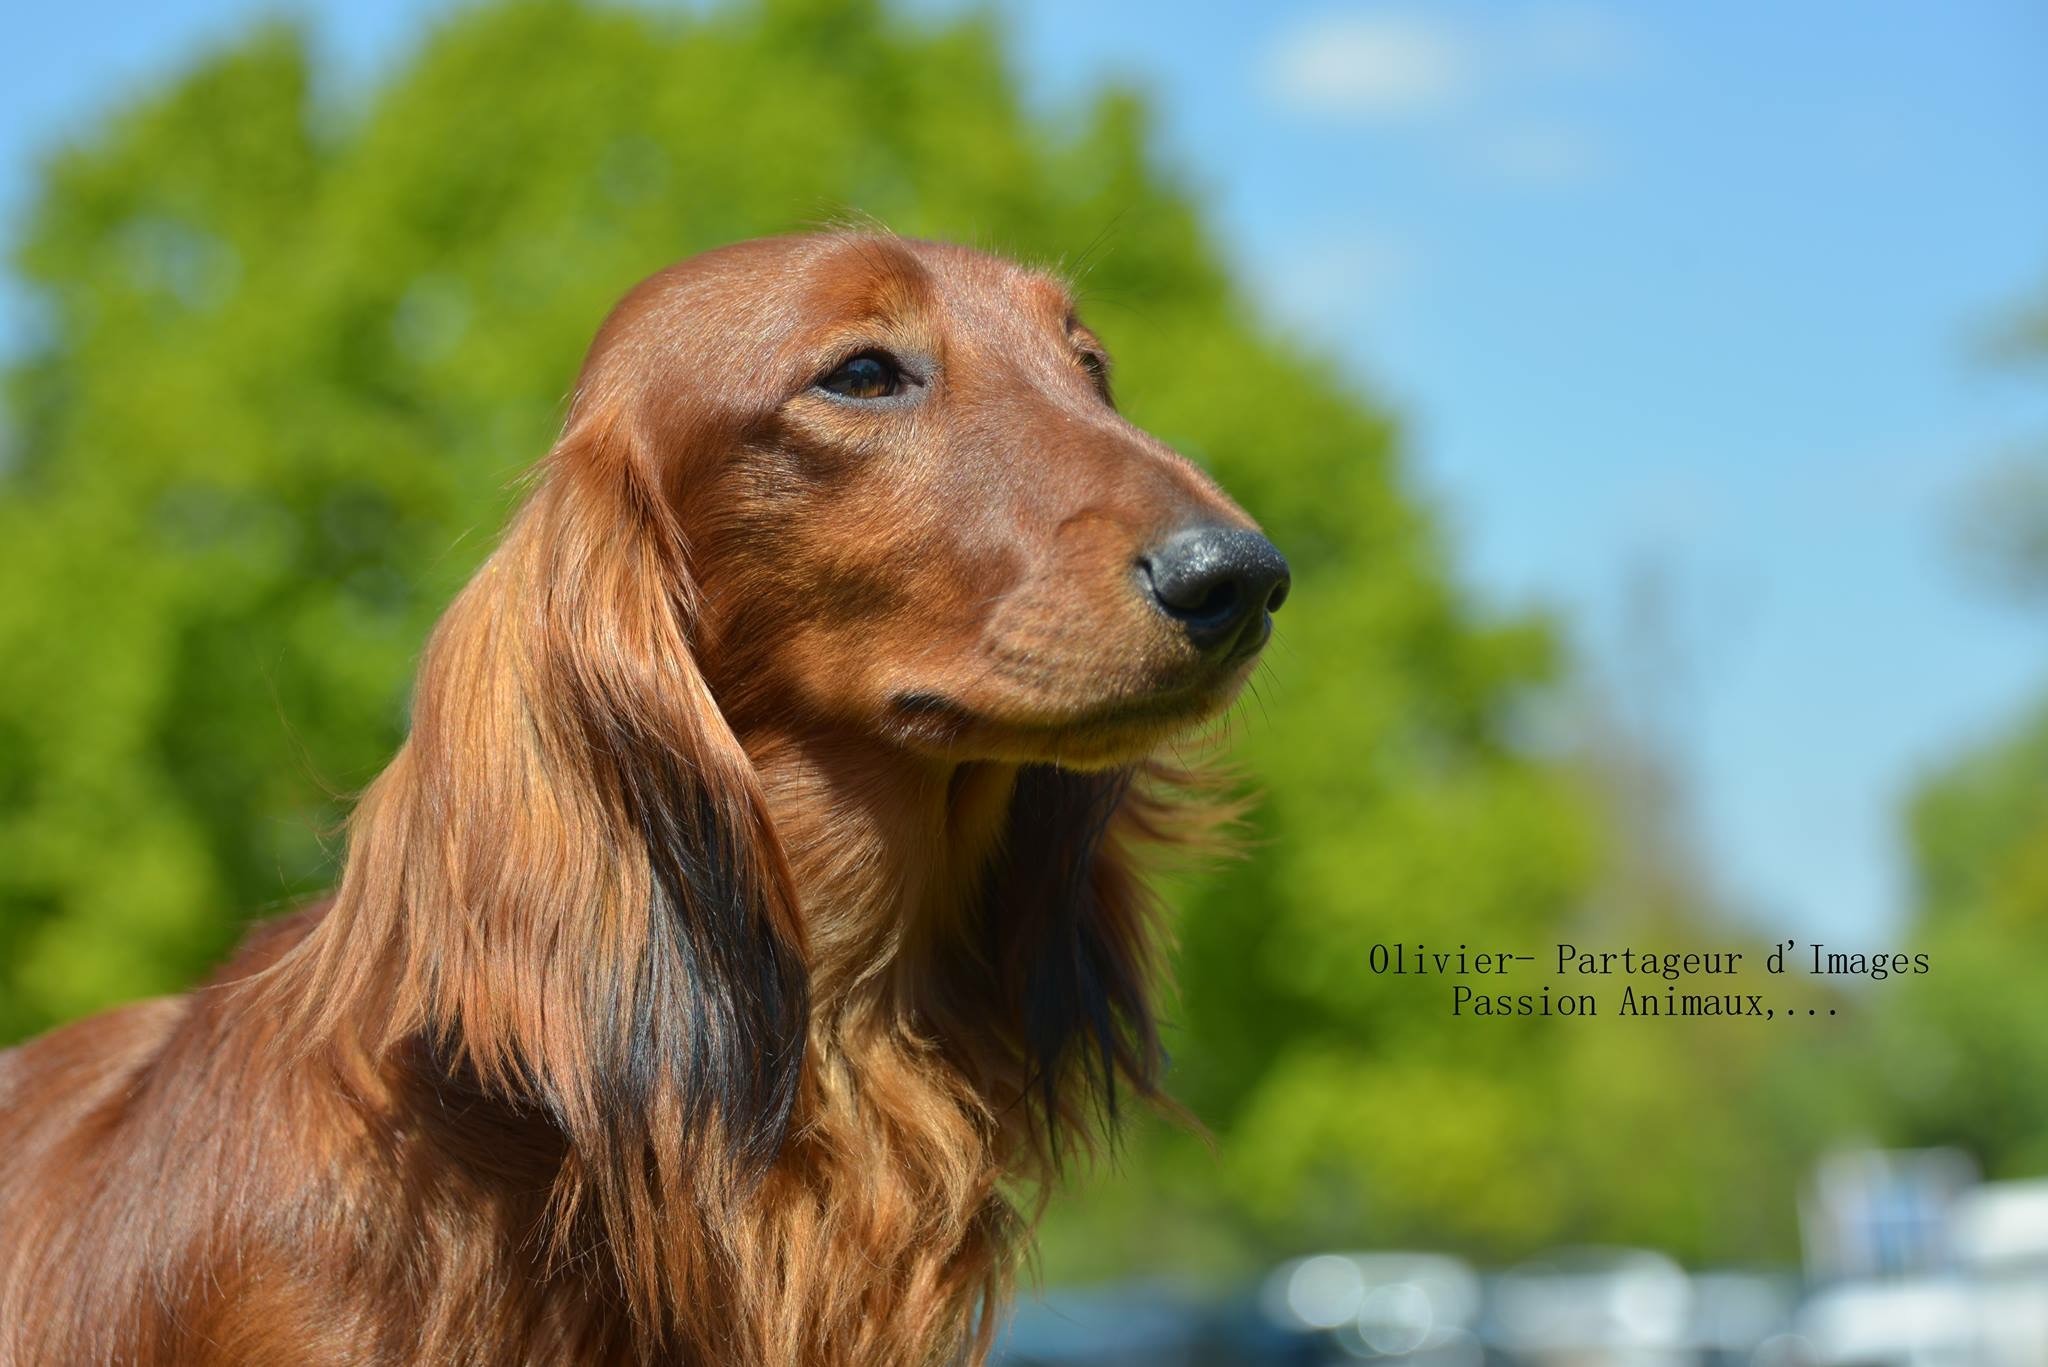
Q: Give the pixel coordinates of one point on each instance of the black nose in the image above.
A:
(1218, 583)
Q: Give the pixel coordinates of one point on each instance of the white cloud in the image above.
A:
(1475, 86)
(1374, 66)
(1328, 283)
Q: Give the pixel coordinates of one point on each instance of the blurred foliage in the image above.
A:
(296, 344)
(1966, 1048)
(2002, 527)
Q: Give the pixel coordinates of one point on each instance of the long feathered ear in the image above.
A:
(716, 990)
(566, 881)
(1072, 935)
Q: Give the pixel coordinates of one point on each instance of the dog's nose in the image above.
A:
(1218, 583)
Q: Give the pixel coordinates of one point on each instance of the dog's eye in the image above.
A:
(870, 375)
(1097, 366)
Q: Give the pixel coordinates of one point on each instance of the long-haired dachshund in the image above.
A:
(751, 918)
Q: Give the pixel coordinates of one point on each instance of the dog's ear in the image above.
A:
(571, 855)
(1068, 928)
(566, 884)
(1068, 939)
(712, 1016)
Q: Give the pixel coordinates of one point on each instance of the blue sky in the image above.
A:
(1687, 296)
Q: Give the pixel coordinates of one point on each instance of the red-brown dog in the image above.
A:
(753, 899)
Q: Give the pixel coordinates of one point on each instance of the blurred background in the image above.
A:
(1653, 401)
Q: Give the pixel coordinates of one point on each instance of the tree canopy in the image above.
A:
(1966, 1049)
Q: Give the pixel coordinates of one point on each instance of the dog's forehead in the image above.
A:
(783, 297)
(844, 278)
(874, 278)
(968, 278)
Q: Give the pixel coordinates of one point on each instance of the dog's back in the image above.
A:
(176, 1188)
(115, 1159)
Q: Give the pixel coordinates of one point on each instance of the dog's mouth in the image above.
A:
(1114, 731)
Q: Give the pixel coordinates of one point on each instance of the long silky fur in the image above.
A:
(557, 1076)
(570, 869)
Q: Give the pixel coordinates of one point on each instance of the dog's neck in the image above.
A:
(888, 850)
(897, 1133)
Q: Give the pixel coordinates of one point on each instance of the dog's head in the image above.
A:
(910, 506)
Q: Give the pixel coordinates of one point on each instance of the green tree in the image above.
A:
(296, 347)
(1965, 1047)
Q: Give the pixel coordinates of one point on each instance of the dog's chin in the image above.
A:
(1105, 735)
